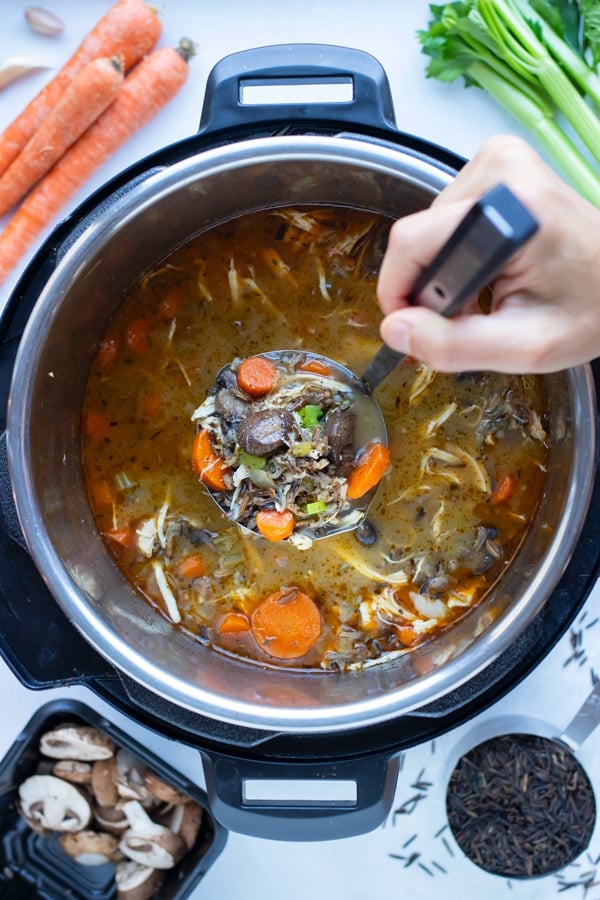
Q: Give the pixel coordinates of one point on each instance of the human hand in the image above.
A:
(545, 313)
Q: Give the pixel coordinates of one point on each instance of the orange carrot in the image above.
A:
(371, 466)
(233, 623)
(275, 525)
(257, 376)
(130, 28)
(192, 566)
(286, 624)
(316, 366)
(101, 494)
(171, 303)
(89, 94)
(122, 536)
(208, 466)
(145, 91)
(504, 490)
(97, 425)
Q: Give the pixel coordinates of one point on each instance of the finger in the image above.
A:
(503, 342)
(413, 243)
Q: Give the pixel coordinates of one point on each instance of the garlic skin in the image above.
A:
(43, 21)
(14, 67)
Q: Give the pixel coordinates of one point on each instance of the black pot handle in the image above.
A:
(312, 800)
(298, 66)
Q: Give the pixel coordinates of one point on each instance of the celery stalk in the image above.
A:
(520, 48)
(574, 166)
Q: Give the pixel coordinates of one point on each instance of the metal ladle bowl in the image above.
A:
(491, 232)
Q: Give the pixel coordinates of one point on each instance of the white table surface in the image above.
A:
(365, 866)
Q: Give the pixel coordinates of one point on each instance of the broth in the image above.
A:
(468, 452)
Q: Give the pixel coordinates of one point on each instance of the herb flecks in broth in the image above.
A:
(467, 452)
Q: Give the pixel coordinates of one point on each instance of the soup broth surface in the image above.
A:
(468, 452)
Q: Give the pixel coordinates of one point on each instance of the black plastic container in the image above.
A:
(34, 866)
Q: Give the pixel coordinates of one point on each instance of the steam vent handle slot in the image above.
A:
(354, 88)
(308, 801)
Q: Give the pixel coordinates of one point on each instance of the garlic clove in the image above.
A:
(43, 21)
(14, 67)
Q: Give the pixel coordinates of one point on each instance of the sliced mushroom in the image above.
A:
(53, 804)
(74, 771)
(149, 843)
(163, 791)
(136, 882)
(81, 742)
(185, 820)
(130, 775)
(265, 431)
(90, 848)
(111, 818)
(104, 777)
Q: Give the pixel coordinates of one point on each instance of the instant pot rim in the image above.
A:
(74, 602)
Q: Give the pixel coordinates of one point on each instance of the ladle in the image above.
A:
(492, 231)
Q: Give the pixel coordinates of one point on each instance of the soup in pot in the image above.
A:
(467, 453)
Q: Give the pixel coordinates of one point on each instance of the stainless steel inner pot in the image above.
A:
(105, 256)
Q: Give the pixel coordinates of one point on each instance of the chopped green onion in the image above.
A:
(317, 506)
(309, 415)
(301, 448)
(252, 462)
(124, 482)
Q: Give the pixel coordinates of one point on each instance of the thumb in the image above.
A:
(505, 341)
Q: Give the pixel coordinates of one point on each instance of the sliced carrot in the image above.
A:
(406, 635)
(192, 566)
(372, 464)
(136, 335)
(504, 490)
(101, 494)
(149, 87)
(275, 525)
(233, 623)
(257, 375)
(209, 467)
(129, 27)
(171, 303)
(316, 366)
(89, 94)
(122, 536)
(286, 624)
(97, 425)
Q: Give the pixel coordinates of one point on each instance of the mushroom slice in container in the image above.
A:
(53, 804)
(137, 882)
(148, 843)
(73, 770)
(90, 848)
(163, 791)
(185, 820)
(80, 742)
(111, 818)
(130, 774)
(104, 781)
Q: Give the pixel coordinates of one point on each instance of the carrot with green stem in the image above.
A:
(145, 91)
(130, 28)
(89, 94)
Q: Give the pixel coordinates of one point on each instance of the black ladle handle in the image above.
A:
(493, 229)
